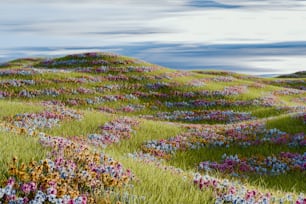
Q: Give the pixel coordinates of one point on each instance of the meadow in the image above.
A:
(105, 128)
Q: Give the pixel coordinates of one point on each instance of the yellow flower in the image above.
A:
(22, 131)
(61, 192)
(23, 167)
(12, 170)
(104, 201)
(14, 160)
(113, 182)
(23, 176)
(90, 200)
(32, 164)
(73, 194)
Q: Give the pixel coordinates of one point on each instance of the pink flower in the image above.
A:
(33, 186)
(26, 188)
(51, 191)
(11, 181)
(25, 200)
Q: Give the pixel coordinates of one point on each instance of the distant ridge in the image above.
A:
(300, 74)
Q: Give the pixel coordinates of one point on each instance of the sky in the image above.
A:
(252, 36)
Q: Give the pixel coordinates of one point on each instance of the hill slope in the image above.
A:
(162, 125)
(301, 74)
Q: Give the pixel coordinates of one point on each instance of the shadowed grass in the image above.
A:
(287, 124)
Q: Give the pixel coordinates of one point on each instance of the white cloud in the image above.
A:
(172, 22)
(98, 23)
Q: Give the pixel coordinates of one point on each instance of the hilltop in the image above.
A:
(105, 128)
(301, 74)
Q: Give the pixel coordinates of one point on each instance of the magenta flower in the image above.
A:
(26, 188)
(10, 181)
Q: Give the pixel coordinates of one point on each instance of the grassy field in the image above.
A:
(103, 128)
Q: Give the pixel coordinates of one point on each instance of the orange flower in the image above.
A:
(12, 170)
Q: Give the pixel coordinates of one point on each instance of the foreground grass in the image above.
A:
(23, 147)
(159, 186)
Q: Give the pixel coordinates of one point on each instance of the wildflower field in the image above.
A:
(104, 128)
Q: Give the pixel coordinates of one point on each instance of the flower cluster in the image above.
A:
(113, 132)
(100, 99)
(232, 90)
(197, 83)
(73, 62)
(244, 135)
(223, 79)
(29, 122)
(299, 100)
(106, 109)
(132, 108)
(234, 192)
(193, 116)
(227, 91)
(52, 103)
(16, 82)
(20, 72)
(265, 101)
(288, 91)
(71, 174)
(159, 163)
(257, 85)
(157, 85)
(202, 81)
(109, 69)
(271, 165)
(78, 80)
(4, 94)
(302, 116)
(291, 83)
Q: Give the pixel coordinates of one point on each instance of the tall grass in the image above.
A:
(25, 148)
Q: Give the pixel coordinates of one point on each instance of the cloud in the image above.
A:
(269, 58)
(266, 4)
(210, 4)
(146, 21)
(265, 35)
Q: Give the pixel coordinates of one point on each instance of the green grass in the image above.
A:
(147, 130)
(89, 124)
(190, 159)
(287, 124)
(267, 112)
(12, 108)
(25, 148)
(159, 186)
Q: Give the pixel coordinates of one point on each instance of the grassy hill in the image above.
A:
(104, 128)
(301, 74)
